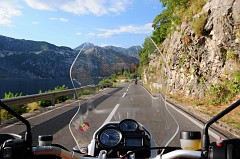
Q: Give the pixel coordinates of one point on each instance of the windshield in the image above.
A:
(129, 96)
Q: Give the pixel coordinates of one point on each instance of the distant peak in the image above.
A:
(85, 46)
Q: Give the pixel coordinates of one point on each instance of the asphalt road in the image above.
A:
(127, 101)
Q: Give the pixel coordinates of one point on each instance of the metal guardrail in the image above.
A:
(50, 95)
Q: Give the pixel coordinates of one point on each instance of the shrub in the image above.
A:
(62, 98)
(8, 95)
(232, 55)
(86, 92)
(106, 80)
(20, 109)
(236, 76)
(193, 8)
(161, 33)
(152, 69)
(45, 103)
(5, 115)
(199, 23)
(32, 106)
(223, 92)
(219, 93)
(238, 34)
(48, 102)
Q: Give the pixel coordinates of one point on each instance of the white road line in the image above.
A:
(123, 95)
(178, 127)
(111, 114)
(150, 93)
(128, 87)
(114, 109)
(188, 117)
(194, 121)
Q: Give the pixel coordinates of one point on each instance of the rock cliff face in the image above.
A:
(196, 61)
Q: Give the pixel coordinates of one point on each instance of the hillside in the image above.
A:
(102, 62)
(201, 45)
(33, 60)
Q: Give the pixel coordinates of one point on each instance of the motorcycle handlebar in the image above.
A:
(56, 151)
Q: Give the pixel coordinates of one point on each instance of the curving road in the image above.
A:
(126, 101)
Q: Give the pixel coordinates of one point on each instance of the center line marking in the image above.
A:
(111, 114)
(124, 95)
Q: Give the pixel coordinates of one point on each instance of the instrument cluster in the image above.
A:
(123, 136)
(128, 125)
(113, 134)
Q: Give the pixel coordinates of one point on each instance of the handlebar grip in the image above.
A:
(227, 149)
(15, 149)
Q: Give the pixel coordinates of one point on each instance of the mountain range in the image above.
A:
(21, 58)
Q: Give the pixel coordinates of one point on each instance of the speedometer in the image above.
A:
(110, 137)
(128, 125)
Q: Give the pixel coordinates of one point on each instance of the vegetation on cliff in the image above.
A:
(199, 40)
(175, 13)
(169, 20)
(181, 32)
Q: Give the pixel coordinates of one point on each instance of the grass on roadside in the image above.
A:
(203, 106)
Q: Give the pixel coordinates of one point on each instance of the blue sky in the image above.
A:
(72, 22)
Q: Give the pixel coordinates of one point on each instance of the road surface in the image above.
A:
(127, 101)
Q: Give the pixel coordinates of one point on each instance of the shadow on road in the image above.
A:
(53, 125)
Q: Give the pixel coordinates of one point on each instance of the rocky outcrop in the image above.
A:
(195, 62)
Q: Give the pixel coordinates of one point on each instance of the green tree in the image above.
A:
(166, 22)
(148, 48)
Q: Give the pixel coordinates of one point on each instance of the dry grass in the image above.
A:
(202, 106)
(33, 106)
(194, 8)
